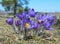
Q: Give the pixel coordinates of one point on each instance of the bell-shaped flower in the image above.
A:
(17, 23)
(24, 21)
(28, 26)
(42, 18)
(35, 26)
(50, 17)
(32, 13)
(21, 15)
(31, 22)
(46, 25)
(27, 17)
(9, 21)
(52, 22)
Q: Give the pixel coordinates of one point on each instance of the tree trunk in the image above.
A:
(15, 7)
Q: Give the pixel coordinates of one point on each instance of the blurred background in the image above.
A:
(16, 6)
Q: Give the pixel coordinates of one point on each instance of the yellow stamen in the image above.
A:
(26, 25)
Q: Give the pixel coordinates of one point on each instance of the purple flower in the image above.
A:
(46, 25)
(36, 25)
(50, 17)
(9, 21)
(24, 21)
(27, 17)
(21, 15)
(33, 24)
(52, 22)
(27, 26)
(17, 23)
(42, 18)
(32, 13)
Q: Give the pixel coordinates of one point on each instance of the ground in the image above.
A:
(7, 36)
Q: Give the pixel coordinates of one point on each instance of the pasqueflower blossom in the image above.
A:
(32, 13)
(17, 23)
(9, 21)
